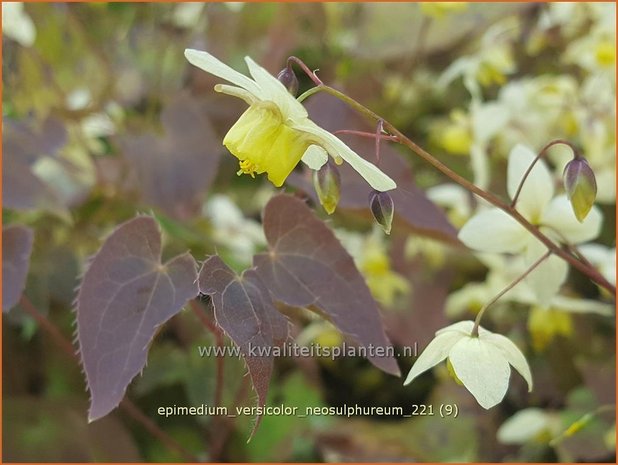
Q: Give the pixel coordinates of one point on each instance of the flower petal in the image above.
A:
(511, 353)
(315, 157)
(524, 426)
(463, 327)
(276, 92)
(538, 189)
(560, 218)
(482, 369)
(571, 305)
(237, 92)
(547, 278)
(435, 352)
(212, 65)
(492, 230)
(336, 147)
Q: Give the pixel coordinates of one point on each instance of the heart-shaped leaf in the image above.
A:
(245, 311)
(308, 267)
(125, 295)
(16, 250)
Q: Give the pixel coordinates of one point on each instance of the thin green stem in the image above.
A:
(591, 272)
(520, 278)
(581, 422)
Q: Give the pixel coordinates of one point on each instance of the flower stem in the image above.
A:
(370, 135)
(126, 405)
(541, 154)
(314, 77)
(581, 422)
(591, 272)
(214, 329)
(479, 316)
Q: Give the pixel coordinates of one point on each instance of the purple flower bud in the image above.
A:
(580, 185)
(327, 184)
(287, 77)
(382, 208)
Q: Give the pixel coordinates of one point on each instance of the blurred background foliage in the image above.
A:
(103, 118)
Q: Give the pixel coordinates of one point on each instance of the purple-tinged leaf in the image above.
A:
(28, 142)
(22, 146)
(307, 267)
(245, 311)
(125, 295)
(175, 170)
(16, 250)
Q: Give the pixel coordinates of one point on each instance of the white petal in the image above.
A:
(523, 426)
(538, 189)
(571, 305)
(480, 165)
(276, 92)
(463, 327)
(511, 353)
(315, 157)
(547, 278)
(492, 230)
(212, 65)
(482, 369)
(559, 217)
(336, 147)
(437, 351)
(237, 92)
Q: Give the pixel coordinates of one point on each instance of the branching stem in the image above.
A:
(591, 272)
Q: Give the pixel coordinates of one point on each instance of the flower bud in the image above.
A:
(581, 186)
(327, 184)
(287, 77)
(382, 208)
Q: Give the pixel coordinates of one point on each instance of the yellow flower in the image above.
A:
(438, 10)
(605, 53)
(275, 132)
(546, 324)
(384, 283)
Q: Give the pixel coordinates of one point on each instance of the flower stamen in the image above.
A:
(247, 167)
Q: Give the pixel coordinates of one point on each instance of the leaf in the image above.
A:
(307, 266)
(22, 146)
(413, 210)
(245, 311)
(176, 170)
(16, 249)
(125, 295)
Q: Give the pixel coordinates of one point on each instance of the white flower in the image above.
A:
(242, 236)
(482, 364)
(493, 230)
(503, 270)
(528, 424)
(603, 258)
(275, 132)
(16, 24)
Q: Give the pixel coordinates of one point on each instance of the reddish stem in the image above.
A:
(316, 80)
(541, 154)
(126, 405)
(218, 334)
(370, 135)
